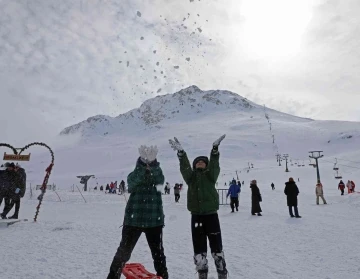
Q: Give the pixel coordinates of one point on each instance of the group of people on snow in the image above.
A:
(144, 211)
(291, 191)
(112, 187)
(177, 190)
(350, 185)
(12, 188)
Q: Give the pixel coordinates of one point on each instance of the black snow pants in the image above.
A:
(9, 204)
(177, 197)
(130, 236)
(205, 227)
(234, 203)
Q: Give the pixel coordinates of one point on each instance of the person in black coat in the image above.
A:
(255, 199)
(291, 191)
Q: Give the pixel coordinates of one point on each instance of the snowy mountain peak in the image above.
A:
(182, 105)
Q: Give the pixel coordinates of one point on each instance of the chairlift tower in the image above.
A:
(278, 158)
(286, 160)
(316, 155)
(84, 180)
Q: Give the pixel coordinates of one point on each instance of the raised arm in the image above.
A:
(185, 167)
(214, 166)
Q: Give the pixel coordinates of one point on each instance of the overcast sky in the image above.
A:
(64, 61)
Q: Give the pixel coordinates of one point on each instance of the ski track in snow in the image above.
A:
(74, 239)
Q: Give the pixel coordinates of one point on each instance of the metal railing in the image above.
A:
(222, 196)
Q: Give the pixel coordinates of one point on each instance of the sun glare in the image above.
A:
(274, 28)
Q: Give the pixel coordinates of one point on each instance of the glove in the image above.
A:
(152, 152)
(175, 144)
(218, 141)
(17, 190)
(148, 154)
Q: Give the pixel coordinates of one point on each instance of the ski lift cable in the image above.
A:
(341, 164)
(349, 161)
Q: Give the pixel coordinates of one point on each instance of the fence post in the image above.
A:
(80, 193)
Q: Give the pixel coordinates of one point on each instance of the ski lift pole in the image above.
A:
(316, 157)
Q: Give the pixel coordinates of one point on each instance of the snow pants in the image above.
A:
(234, 203)
(177, 197)
(205, 227)
(342, 191)
(322, 197)
(130, 236)
(9, 204)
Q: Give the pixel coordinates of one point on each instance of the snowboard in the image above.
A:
(8, 222)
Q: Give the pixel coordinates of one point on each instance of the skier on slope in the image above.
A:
(143, 214)
(234, 191)
(203, 203)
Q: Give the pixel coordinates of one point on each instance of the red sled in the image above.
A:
(138, 271)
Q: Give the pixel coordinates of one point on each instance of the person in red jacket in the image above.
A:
(353, 186)
(341, 187)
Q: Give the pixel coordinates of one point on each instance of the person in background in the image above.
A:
(272, 186)
(352, 186)
(16, 190)
(319, 192)
(341, 187)
(349, 186)
(292, 191)
(255, 199)
(177, 192)
(122, 186)
(234, 191)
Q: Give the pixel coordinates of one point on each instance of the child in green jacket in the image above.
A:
(203, 203)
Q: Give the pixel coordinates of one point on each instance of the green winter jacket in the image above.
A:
(202, 197)
(144, 208)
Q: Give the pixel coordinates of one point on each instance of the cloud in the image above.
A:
(61, 62)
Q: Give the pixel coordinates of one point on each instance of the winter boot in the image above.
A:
(259, 214)
(15, 216)
(201, 264)
(3, 216)
(237, 209)
(220, 265)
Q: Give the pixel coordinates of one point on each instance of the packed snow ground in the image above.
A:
(74, 239)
